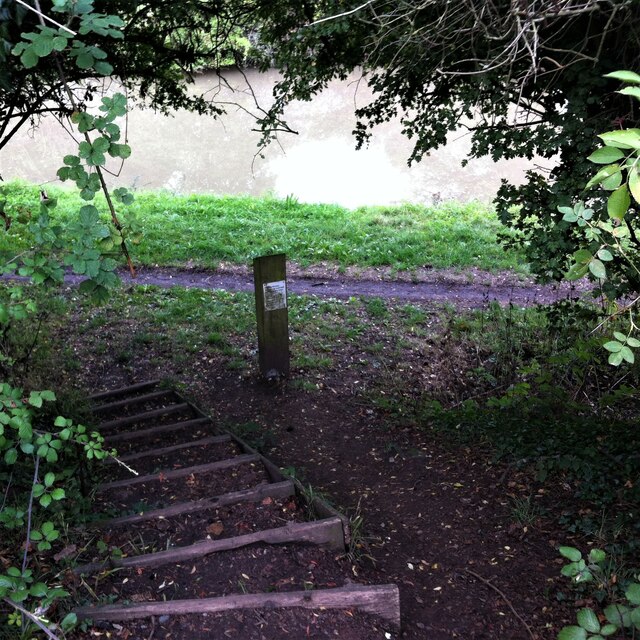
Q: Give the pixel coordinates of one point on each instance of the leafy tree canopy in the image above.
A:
(156, 49)
(526, 78)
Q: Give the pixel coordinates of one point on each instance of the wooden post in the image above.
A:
(272, 314)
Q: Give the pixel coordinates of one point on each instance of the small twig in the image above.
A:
(33, 618)
(501, 594)
(29, 510)
(153, 627)
(46, 17)
(341, 15)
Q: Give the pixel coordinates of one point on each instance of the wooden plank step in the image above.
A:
(163, 428)
(143, 417)
(380, 600)
(203, 442)
(128, 402)
(282, 489)
(123, 391)
(172, 474)
(319, 532)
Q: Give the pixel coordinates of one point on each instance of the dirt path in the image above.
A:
(465, 289)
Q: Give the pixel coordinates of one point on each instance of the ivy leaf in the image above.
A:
(618, 203)
(606, 155)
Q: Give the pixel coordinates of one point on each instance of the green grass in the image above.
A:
(203, 230)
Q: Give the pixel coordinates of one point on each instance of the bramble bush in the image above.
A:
(45, 456)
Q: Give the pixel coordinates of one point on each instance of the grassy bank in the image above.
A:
(203, 230)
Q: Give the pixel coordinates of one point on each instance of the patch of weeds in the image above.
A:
(216, 339)
(376, 307)
(311, 361)
(524, 511)
(303, 385)
(256, 436)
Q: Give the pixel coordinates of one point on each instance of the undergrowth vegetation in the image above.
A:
(203, 230)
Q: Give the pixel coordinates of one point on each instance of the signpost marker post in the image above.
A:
(272, 314)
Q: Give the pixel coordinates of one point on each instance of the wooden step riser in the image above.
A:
(152, 431)
(380, 600)
(116, 405)
(123, 391)
(326, 533)
(174, 474)
(120, 423)
(203, 442)
(255, 494)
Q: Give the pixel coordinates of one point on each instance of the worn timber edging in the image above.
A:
(181, 473)
(282, 489)
(379, 600)
(321, 532)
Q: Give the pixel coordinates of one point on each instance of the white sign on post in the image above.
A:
(275, 295)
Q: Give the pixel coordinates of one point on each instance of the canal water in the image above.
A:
(189, 153)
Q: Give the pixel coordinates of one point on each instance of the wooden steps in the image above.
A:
(189, 508)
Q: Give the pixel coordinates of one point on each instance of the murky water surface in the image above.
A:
(191, 153)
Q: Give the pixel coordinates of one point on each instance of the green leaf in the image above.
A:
(615, 359)
(48, 395)
(10, 456)
(598, 269)
(634, 92)
(634, 183)
(623, 139)
(618, 614)
(49, 479)
(571, 553)
(69, 621)
(588, 620)
(606, 155)
(612, 346)
(624, 76)
(29, 59)
(635, 617)
(619, 336)
(605, 255)
(633, 342)
(602, 174)
(45, 500)
(618, 203)
(85, 60)
(613, 181)
(572, 633)
(627, 355)
(608, 630)
(633, 593)
(38, 590)
(35, 399)
(58, 494)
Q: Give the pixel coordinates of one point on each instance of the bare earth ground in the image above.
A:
(438, 517)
